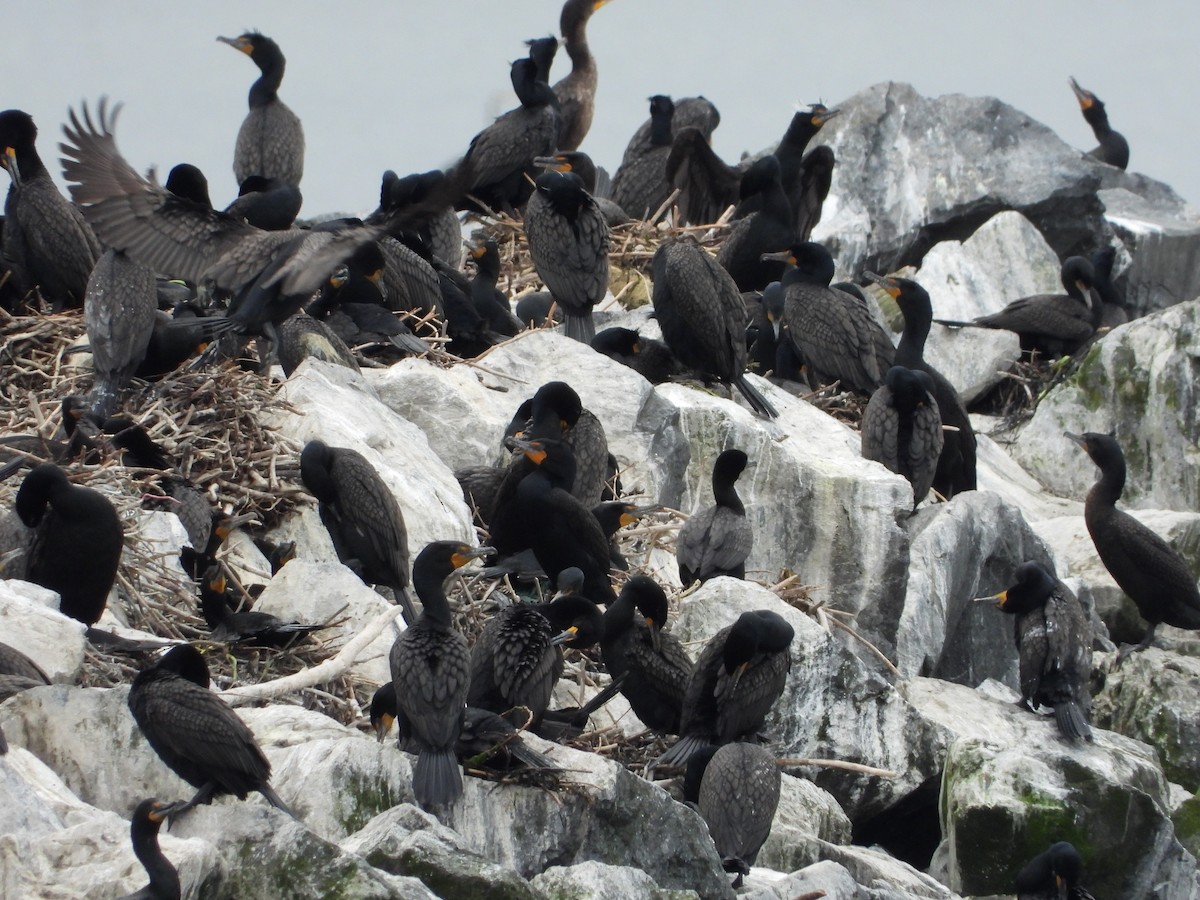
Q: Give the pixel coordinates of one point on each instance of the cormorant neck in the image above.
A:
(30, 163)
(660, 130)
(266, 89)
(430, 590)
(1111, 484)
(917, 322)
(800, 131)
(164, 879)
(725, 493)
(1098, 119)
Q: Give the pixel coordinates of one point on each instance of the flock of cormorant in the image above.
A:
(765, 300)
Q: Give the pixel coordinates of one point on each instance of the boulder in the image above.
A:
(806, 819)
(596, 881)
(30, 622)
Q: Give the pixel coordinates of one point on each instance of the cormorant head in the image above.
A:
(542, 52)
(1033, 588)
(257, 46)
(487, 258)
(1102, 448)
(39, 489)
(650, 600)
(617, 341)
(1086, 99)
(17, 137)
(1078, 277)
(911, 388)
(555, 402)
(729, 465)
(581, 620)
(383, 710)
(185, 661)
(188, 182)
(819, 114)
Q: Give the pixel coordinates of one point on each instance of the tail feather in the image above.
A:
(437, 778)
(683, 750)
(273, 798)
(756, 400)
(580, 328)
(1072, 722)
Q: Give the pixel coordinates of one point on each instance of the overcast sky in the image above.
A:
(405, 86)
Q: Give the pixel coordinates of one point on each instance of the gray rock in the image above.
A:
(805, 819)
(874, 868)
(35, 627)
(596, 881)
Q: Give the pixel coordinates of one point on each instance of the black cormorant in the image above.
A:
(651, 665)
(431, 673)
(271, 140)
(195, 733)
(1054, 873)
(640, 185)
(581, 164)
(766, 230)
(707, 185)
(189, 182)
(812, 187)
(1054, 645)
(362, 517)
(1143, 565)
(18, 672)
(736, 788)
(76, 543)
(794, 160)
(956, 464)
(301, 336)
(489, 300)
(1114, 311)
(569, 242)
(143, 832)
(717, 540)
(740, 674)
(119, 312)
(576, 92)
(228, 626)
(422, 204)
(902, 428)
(651, 359)
(690, 112)
(271, 204)
(1113, 149)
(46, 241)
(702, 316)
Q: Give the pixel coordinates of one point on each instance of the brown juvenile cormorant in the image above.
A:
(493, 171)
(576, 92)
(119, 311)
(736, 788)
(956, 463)
(362, 517)
(76, 543)
(1053, 874)
(1052, 324)
(640, 185)
(651, 665)
(833, 333)
(702, 316)
(143, 832)
(902, 428)
(271, 204)
(195, 733)
(717, 539)
(740, 674)
(489, 300)
(568, 242)
(271, 140)
(301, 337)
(1113, 149)
(1054, 645)
(47, 243)
(18, 672)
(1144, 566)
(228, 626)
(431, 673)
(768, 229)
(651, 359)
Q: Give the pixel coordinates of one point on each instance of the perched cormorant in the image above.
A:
(613, 516)
(956, 463)
(431, 672)
(489, 300)
(1052, 324)
(119, 311)
(702, 316)
(902, 428)
(1114, 310)
(271, 140)
(767, 230)
(1113, 149)
(581, 164)
(143, 832)
(690, 112)
(803, 173)
(717, 539)
(740, 674)
(736, 788)
(421, 204)
(1144, 566)
(568, 242)
(18, 672)
(189, 182)
(576, 92)
(1053, 874)
(301, 336)
(195, 733)
(362, 517)
(707, 185)
(271, 204)
(1054, 645)
(651, 664)
(535, 307)
(769, 349)
(833, 333)
(640, 185)
(46, 243)
(76, 543)
(229, 626)
(651, 359)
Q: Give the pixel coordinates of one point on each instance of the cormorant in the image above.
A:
(534, 307)
(799, 169)
(489, 300)
(640, 185)
(189, 182)
(1054, 873)
(740, 674)
(613, 516)
(77, 435)
(833, 333)
(422, 204)
(18, 672)
(812, 187)
(770, 350)
(702, 316)
(362, 517)
(76, 543)
(1054, 645)
(956, 463)
(1143, 565)
(581, 164)
(1113, 301)
(269, 273)
(651, 665)
(576, 92)
(271, 204)
(431, 671)
(301, 336)
(1113, 149)
(690, 112)
(568, 242)
(767, 230)
(1052, 324)
(902, 428)
(651, 359)
(228, 626)
(119, 312)
(143, 832)
(271, 140)
(707, 185)
(46, 242)
(195, 733)
(493, 171)
(736, 788)
(717, 540)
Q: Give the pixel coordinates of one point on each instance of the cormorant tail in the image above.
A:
(684, 749)
(581, 328)
(756, 400)
(437, 778)
(273, 798)
(1071, 721)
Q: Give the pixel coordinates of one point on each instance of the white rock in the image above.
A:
(35, 627)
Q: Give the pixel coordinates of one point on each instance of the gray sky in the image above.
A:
(405, 86)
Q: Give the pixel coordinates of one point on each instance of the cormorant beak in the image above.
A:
(532, 449)
(1077, 438)
(217, 584)
(633, 513)
(375, 276)
(228, 525)
(889, 284)
(161, 812)
(238, 43)
(9, 161)
(553, 163)
(597, 4)
(783, 256)
(477, 250)
(998, 600)
(466, 554)
(1086, 98)
(655, 634)
(819, 118)
(737, 674)
(564, 637)
(1060, 887)
(382, 726)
